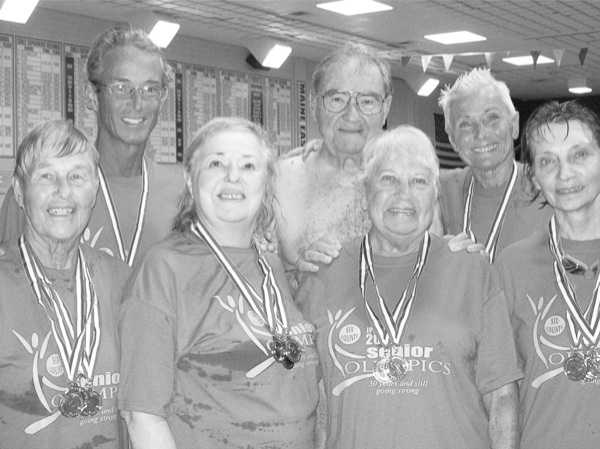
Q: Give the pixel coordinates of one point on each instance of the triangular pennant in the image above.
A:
(582, 55)
(558, 54)
(447, 61)
(489, 58)
(535, 55)
(405, 60)
(425, 62)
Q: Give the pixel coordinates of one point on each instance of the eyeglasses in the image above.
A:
(123, 89)
(575, 266)
(336, 101)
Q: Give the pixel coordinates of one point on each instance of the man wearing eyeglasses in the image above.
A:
(128, 78)
(321, 197)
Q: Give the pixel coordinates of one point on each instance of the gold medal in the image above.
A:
(575, 367)
(72, 402)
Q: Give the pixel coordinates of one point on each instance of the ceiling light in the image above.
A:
(354, 7)
(578, 86)
(163, 33)
(457, 37)
(527, 60)
(269, 53)
(17, 11)
(428, 87)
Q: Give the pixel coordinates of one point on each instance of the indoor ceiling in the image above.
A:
(517, 27)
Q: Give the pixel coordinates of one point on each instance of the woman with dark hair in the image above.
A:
(215, 353)
(552, 284)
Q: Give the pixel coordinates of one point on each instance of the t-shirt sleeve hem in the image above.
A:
(499, 382)
(143, 408)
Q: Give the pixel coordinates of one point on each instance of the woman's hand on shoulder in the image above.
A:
(323, 251)
(462, 242)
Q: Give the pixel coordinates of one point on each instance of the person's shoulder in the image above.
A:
(466, 260)
(99, 257)
(523, 249)
(165, 174)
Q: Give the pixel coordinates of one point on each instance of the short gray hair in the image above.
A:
(353, 53)
(477, 79)
(404, 139)
(54, 138)
(121, 37)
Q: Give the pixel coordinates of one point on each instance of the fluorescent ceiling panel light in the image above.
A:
(277, 56)
(354, 7)
(428, 87)
(17, 11)
(527, 60)
(457, 37)
(578, 86)
(163, 33)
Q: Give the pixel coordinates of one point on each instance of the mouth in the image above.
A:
(485, 149)
(570, 190)
(61, 211)
(231, 196)
(132, 121)
(401, 210)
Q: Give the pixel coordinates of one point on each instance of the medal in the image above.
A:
(72, 402)
(390, 330)
(575, 367)
(494, 235)
(283, 348)
(584, 326)
(77, 340)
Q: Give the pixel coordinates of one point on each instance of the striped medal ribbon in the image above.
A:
(391, 367)
(114, 219)
(494, 235)
(284, 348)
(78, 342)
(584, 326)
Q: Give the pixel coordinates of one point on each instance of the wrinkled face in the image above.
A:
(482, 130)
(401, 198)
(566, 167)
(127, 120)
(346, 132)
(58, 197)
(229, 179)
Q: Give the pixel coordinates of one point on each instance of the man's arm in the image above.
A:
(502, 408)
(148, 431)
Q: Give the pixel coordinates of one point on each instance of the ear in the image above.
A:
(514, 121)
(313, 104)
(387, 104)
(18, 191)
(91, 97)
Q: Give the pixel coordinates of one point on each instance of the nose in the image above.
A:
(401, 189)
(62, 187)
(352, 108)
(479, 130)
(136, 100)
(564, 171)
(233, 173)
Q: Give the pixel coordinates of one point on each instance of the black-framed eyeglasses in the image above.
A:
(369, 103)
(125, 89)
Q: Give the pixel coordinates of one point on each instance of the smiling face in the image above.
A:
(58, 198)
(566, 168)
(482, 130)
(126, 121)
(228, 183)
(401, 198)
(345, 133)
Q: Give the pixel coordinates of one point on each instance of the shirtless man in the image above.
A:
(321, 197)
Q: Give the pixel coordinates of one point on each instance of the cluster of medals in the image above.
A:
(78, 341)
(584, 326)
(283, 347)
(492, 240)
(80, 401)
(391, 367)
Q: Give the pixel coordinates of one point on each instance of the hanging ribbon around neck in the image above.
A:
(494, 234)
(78, 342)
(584, 326)
(114, 219)
(284, 348)
(392, 327)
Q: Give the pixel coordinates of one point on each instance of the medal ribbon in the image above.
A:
(270, 307)
(77, 344)
(112, 212)
(587, 322)
(394, 323)
(494, 235)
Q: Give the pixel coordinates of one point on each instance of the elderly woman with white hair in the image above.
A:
(59, 360)
(414, 340)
